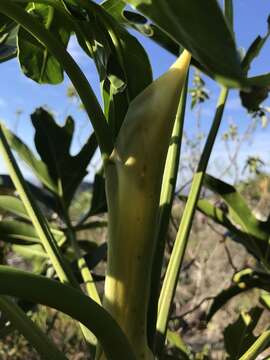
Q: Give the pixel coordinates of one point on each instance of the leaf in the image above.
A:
(175, 340)
(42, 195)
(253, 245)
(243, 281)
(37, 166)
(8, 42)
(252, 99)
(35, 254)
(238, 337)
(238, 209)
(36, 61)
(17, 232)
(53, 145)
(116, 53)
(200, 27)
(254, 50)
(141, 24)
(13, 205)
(31, 252)
(64, 298)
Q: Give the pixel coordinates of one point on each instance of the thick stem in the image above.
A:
(133, 183)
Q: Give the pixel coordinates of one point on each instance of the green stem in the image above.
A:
(72, 302)
(46, 349)
(81, 84)
(176, 259)
(165, 205)
(39, 221)
(258, 346)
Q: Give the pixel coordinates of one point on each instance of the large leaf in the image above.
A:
(53, 145)
(200, 27)
(238, 337)
(117, 54)
(141, 24)
(35, 59)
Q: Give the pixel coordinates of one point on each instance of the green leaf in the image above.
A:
(238, 337)
(254, 50)
(141, 24)
(30, 330)
(200, 27)
(116, 53)
(35, 59)
(42, 195)
(254, 245)
(53, 145)
(31, 252)
(37, 166)
(8, 42)
(17, 232)
(175, 340)
(13, 205)
(238, 209)
(265, 299)
(70, 301)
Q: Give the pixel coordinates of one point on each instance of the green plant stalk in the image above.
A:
(165, 206)
(176, 259)
(81, 84)
(40, 223)
(257, 347)
(41, 226)
(30, 330)
(70, 301)
(133, 184)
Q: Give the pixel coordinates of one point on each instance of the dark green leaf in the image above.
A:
(253, 98)
(200, 27)
(17, 232)
(35, 59)
(243, 281)
(8, 42)
(122, 62)
(254, 51)
(53, 145)
(238, 337)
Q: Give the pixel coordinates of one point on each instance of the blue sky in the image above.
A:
(19, 93)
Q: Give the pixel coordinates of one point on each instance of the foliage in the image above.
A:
(139, 133)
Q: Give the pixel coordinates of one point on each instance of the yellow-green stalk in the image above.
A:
(133, 182)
